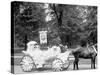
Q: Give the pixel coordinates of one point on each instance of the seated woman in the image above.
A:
(63, 48)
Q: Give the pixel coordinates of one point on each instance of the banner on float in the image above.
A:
(43, 37)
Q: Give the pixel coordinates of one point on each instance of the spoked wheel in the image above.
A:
(66, 64)
(27, 63)
(57, 65)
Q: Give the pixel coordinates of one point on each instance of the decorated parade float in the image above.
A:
(52, 37)
(51, 57)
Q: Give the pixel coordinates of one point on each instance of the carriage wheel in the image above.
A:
(66, 64)
(57, 65)
(27, 63)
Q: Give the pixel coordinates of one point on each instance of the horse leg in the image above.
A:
(91, 63)
(74, 65)
(94, 63)
(77, 63)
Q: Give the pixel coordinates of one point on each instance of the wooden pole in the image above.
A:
(26, 40)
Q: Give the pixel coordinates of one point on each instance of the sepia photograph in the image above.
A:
(53, 37)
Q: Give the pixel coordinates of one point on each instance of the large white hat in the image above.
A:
(31, 43)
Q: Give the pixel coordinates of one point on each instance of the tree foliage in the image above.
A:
(69, 24)
(77, 24)
(28, 18)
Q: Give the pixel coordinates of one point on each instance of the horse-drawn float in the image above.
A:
(52, 57)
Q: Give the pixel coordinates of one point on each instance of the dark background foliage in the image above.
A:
(70, 24)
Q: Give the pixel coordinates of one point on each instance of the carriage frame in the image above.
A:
(35, 58)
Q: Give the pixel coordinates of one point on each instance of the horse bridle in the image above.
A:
(94, 48)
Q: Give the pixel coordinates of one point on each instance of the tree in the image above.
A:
(66, 24)
(75, 23)
(28, 19)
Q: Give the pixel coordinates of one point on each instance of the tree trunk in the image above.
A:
(26, 40)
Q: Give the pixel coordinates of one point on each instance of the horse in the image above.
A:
(89, 52)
